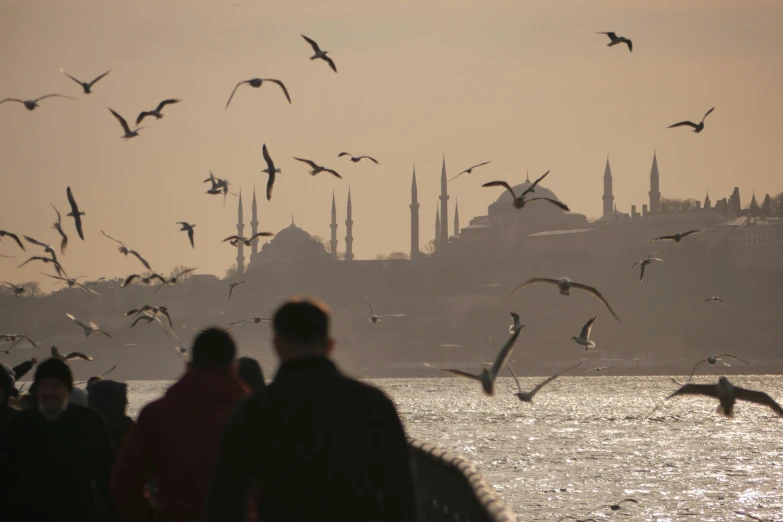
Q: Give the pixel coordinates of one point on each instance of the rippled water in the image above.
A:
(592, 440)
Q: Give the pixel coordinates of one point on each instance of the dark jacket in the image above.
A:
(49, 468)
(318, 446)
(175, 443)
(110, 399)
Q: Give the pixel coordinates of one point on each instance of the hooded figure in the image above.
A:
(249, 371)
(110, 399)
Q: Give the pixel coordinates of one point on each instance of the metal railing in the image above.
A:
(450, 488)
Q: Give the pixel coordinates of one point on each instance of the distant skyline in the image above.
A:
(525, 85)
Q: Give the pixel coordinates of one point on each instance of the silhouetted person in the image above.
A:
(176, 439)
(315, 444)
(250, 372)
(56, 459)
(110, 399)
(6, 393)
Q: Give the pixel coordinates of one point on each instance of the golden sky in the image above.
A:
(525, 84)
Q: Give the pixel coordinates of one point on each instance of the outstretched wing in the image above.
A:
(77, 355)
(501, 184)
(52, 96)
(312, 44)
(463, 374)
(553, 201)
(688, 123)
(611, 35)
(516, 379)
(758, 397)
(586, 329)
(166, 102)
(597, 295)
(278, 82)
(233, 92)
(394, 315)
(312, 165)
(71, 77)
(707, 114)
(504, 354)
(371, 159)
(532, 187)
(333, 173)
(97, 79)
(555, 376)
(733, 357)
(368, 304)
(4, 233)
(710, 390)
(688, 233)
(122, 121)
(143, 261)
(330, 62)
(534, 281)
(141, 116)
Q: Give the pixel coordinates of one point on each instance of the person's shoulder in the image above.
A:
(151, 412)
(364, 390)
(86, 415)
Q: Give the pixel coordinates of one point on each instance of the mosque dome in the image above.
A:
(291, 236)
(291, 244)
(503, 205)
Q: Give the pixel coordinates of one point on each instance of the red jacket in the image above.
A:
(176, 442)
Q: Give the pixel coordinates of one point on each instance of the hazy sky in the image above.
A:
(525, 84)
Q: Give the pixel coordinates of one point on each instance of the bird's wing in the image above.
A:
(371, 159)
(707, 114)
(36, 242)
(628, 500)
(555, 376)
(107, 334)
(634, 265)
(394, 315)
(142, 318)
(458, 175)
(269, 163)
(141, 116)
(688, 233)
(122, 121)
(553, 201)
(15, 238)
(586, 329)
(113, 239)
(166, 102)
(98, 78)
(534, 281)
(75, 320)
(285, 91)
(504, 354)
(463, 374)
(597, 295)
(710, 390)
(230, 291)
(758, 397)
(655, 259)
(596, 509)
(312, 44)
(189, 270)
(88, 289)
(71, 77)
(516, 379)
(330, 62)
(77, 355)
(501, 184)
(334, 173)
(52, 96)
(688, 123)
(143, 261)
(190, 236)
(368, 304)
(733, 357)
(344, 154)
(29, 340)
(312, 165)
(234, 91)
(693, 372)
(12, 99)
(609, 34)
(532, 187)
(641, 274)
(260, 234)
(630, 45)
(663, 238)
(233, 238)
(158, 277)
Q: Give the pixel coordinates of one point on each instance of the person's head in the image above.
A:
(301, 328)
(249, 371)
(108, 396)
(213, 349)
(52, 387)
(6, 386)
(93, 379)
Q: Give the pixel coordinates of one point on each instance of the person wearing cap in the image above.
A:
(315, 444)
(176, 439)
(56, 459)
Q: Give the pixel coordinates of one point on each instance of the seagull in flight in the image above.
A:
(320, 54)
(125, 251)
(232, 286)
(72, 282)
(128, 132)
(599, 369)
(318, 168)
(714, 298)
(644, 262)
(93, 283)
(618, 40)
(254, 320)
(712, 359)
(469, 170)
(57, 266)
(177, 278)
(17, 290)
(15, 339)
(235, 240)
(487, 377)
(677, 237)
(70, 357)
(32, 104)
(58, 226)
(375, 318)
(565, 285)
(615, 507)
(47, 248)
(528, 396)
(75, 213)
(697, 128)
(516, 325)
(189, 228)
(5, 233)
(357, 159)
(87, 86)
(145, 280)
(584, 335)
(728, 394)
(521, 201)
(89, 328)
(271, 170)
(257, 82)
(156, 111)
(151, 311)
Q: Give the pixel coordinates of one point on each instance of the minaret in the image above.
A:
(456, 218)
(333, 242)
(608, 196)
(437, 227)
(254, 225)
(240, 229)
(655, 193)
(707, 202)
(349, 228)
(414, 217)
(444, 204)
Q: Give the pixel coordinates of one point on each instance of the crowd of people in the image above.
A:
(220, 445)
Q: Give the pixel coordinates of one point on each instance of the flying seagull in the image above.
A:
(728, 394)
(17, 290)
(487, 377)
(58, 226)
(128, 133)
(47, 248)
(87, 86)
(644, 262)
(528, 396)
(618, 40)
(125, 251)
(599, 369)
(145, 280)
(93, 283)
(4, 233)
(70, 357)
(75, 213)
(565, 285)
(714, 298)
(696, 128)
(257, 82)
(271, 170)
(235, 240)
(712, 359)
(469, 170)
(16, 339)
(357, 159)
(254, 320)
(232, 286)
(189, 228)
(375, 318)
(177, 277)
(320, 54)
(156, 111)
(615, 507)
(89, 328)
(521, 201)
(677, 237)
(516, 324)
(151, 311)
(584, 335)
(32, 104)
(318, 168)
(57, 266)
(72, 282)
